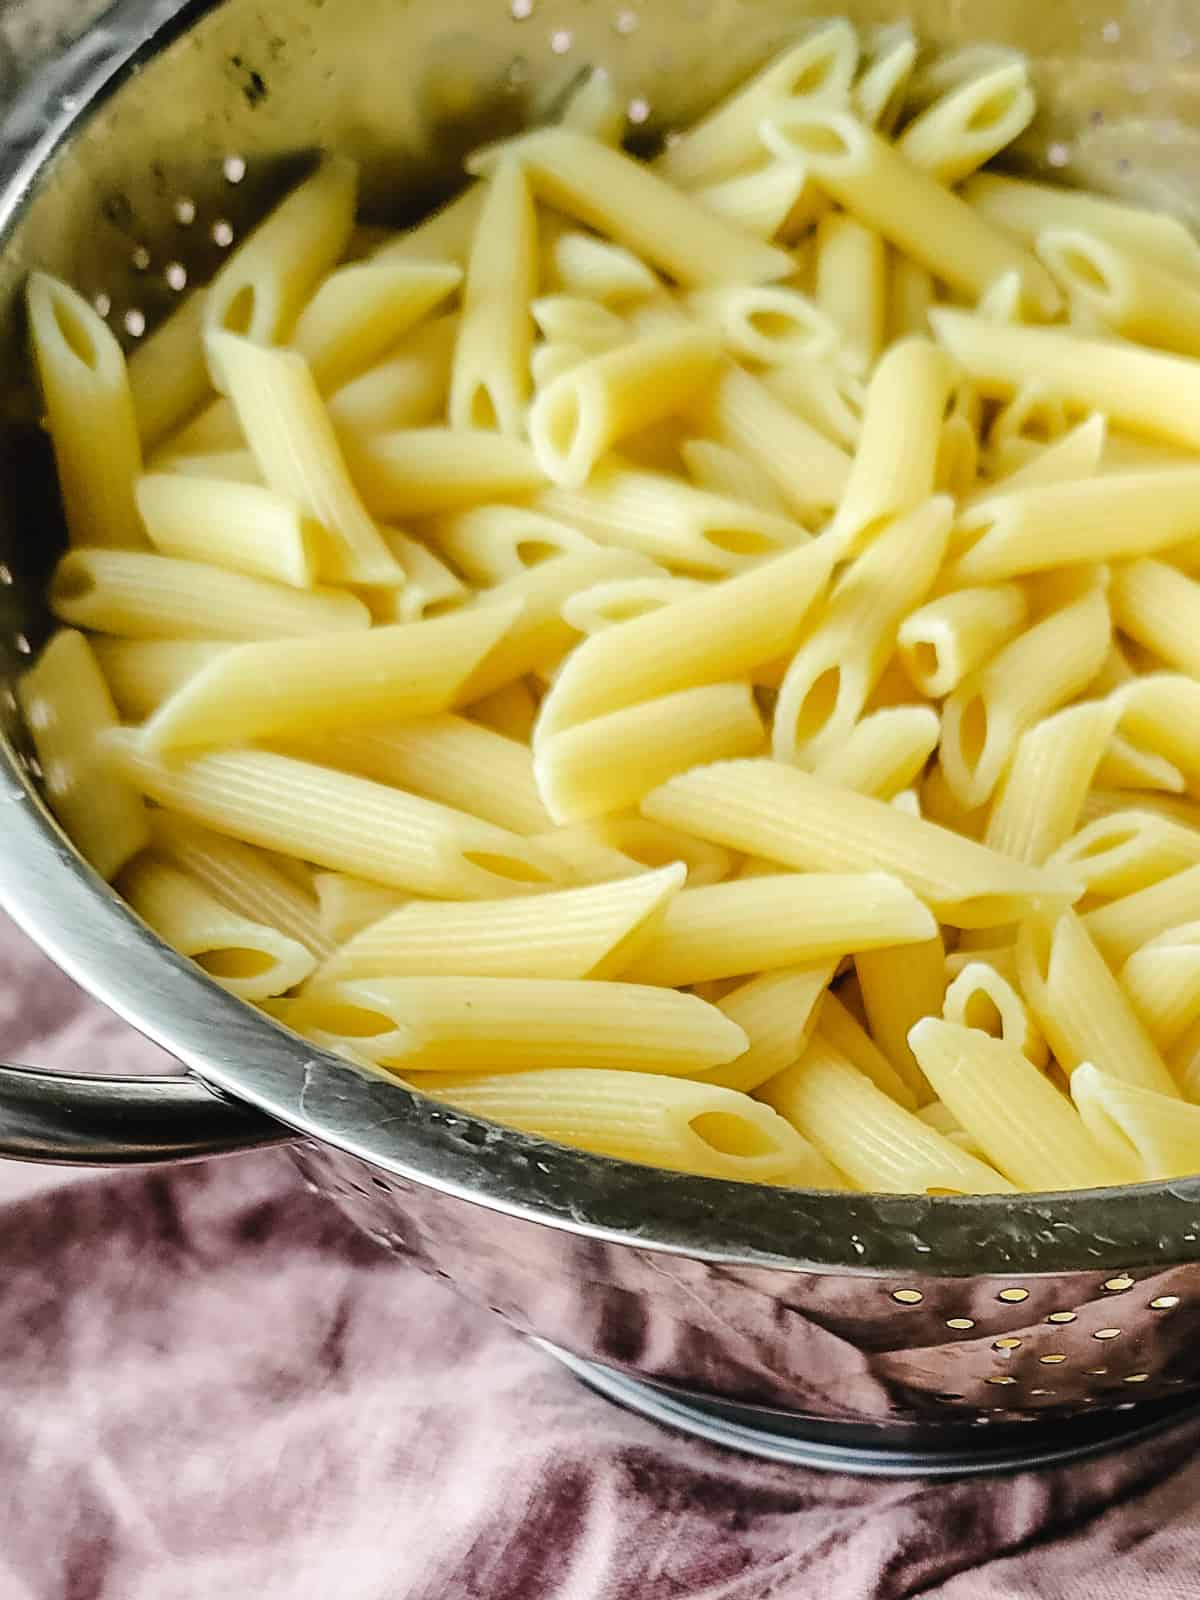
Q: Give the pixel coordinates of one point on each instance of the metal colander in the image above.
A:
(884, 1333)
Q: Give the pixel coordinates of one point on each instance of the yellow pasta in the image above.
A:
(598, 270)
(230, 524)
(945, 640)
(168, 373)
(1126, 851)
(1159, 607)
(605, 605)
(900, 984)
(1080, 1006)
(721, 471)
(454, 1024)
(966, 127)
(1030, 677)
(68, 709)
(595, 109)
(808, 469)
(347, 905)
(1129, 295)
(838, 1027)
(510, 710)
(361, 311)
(762, 201)
(1162, 713)
(910, 296)
(1022, 1124)
(851, 286)
(1041, 795)
(876, 184)
(778, 1012)
(408, 389)
(878, 1144)
(90, 414)
(609, 763)
(755, 924)
(1162, 980)
(1148, 1135)
(883, 753)
(142, 673)
(594, 932)
(415, 472)
(786, 815)
(1124, 925)
(275, 688)
(879, 93)
(983, 999)
(249, 959)
(828, 397)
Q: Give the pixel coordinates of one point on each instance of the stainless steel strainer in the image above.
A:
(886, 1334)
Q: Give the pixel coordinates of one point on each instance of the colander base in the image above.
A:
(845, 1447)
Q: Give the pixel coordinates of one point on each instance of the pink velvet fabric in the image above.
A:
(210, 1386)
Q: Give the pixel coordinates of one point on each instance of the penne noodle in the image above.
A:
(708, 638)
(1023, 1125)
(842, 659)
(895, 464)
(1076, 454)
(947, 638)
(593, 108)
(1143, 390)
(757, 924)
(160, 597)
(721, 471)
(605, 605)
(1080, 1006)
(409, 389)
(1159, 608)
(1162, 713)
(879, 1145)
(609, 763)
(415, 472)
(293, 441)
(598, 270)
(584, 412)
(259, 291)
(831, 399)
(1125, 925)
(1126, 851)
(910, 291)
(1037, 672)
(807, 468)
(348, 905)
(445, 758)
(819, 67)
(1040, 797)
(884, 752)
(142, 673)
(1155, 1136)
(767, 324)
(511, 711)
(839, 1028)
(457, 1024)
(490, 544)
(1162, 980)
(1125, 765)
(651, 845)
(168, 375)
(346, 824)
(489, 386)
(632, 205)
(687, 529)
(67, 709)
(229, 524)
(851, 287)
(965, 128)
(594, 932)
(879, 93)
(431, 588)
(1127, 294)
(900, 984)
(676, 1123)
(983, 999)
(445, 235)
(272, 689)
(1026, 209)
(778, 1012)
(574, 319)
(761, 202)
(786, 815)
(90, 415)
(886, 192)
(232, 466)
(246, 881)
(361, 311)
(1002, 958)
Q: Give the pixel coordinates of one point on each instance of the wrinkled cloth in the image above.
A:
(213, 1386)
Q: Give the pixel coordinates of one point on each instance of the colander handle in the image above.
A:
(72, 1120)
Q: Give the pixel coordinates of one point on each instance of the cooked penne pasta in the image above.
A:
(272, 689)
(1124, 925)
(820, 68)
(1040, 670)
(594, 108)
(786, 815)
(676, 1123)
(415, 472)
(511, 711)
(909, 208)
(981, 998)
(1020, 1121)
(910, 296)
(259, 291)
(965, 128)
(1081, 1008)
(159, 597)
(1076, 454)
(445, 758)
(168, 373)
(945, 640)
(68, 709)
(632, 205)
(249, 959)
(490, 382)
(610, 762)
(344, 823)
(90, 415)
(1040, 797)
(687, 529)
(1126, 851)
(142, 673)
(830, 398)
(767, 323)
(247, 881)
(709, 638)
(584, 412)
(445, 235)
(576, 320)
(230, 524)
(838, 1027)
(778, 1012)
(1159, 607)
(598, 270)
(763, 201)
(650, 844)
(842, 659)
(883, 753)
(1125, 765)
(455, 1024)
(430, 588)
(409, 389)
(605, 605)
(1026, 209)
(851, 286)
(1162, 713)
(490, 544)
(1150, 1135)
(721, 471)
(878, 1144)
(361, 311)
(1143, 390)
(594, 932)
(348, 905)
(1127, 294)
(1162, 980)
(756, 924)
(896, 461)
(900, 984)
(808, 469)
(879, 93)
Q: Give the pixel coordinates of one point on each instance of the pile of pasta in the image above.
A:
(697, 659)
